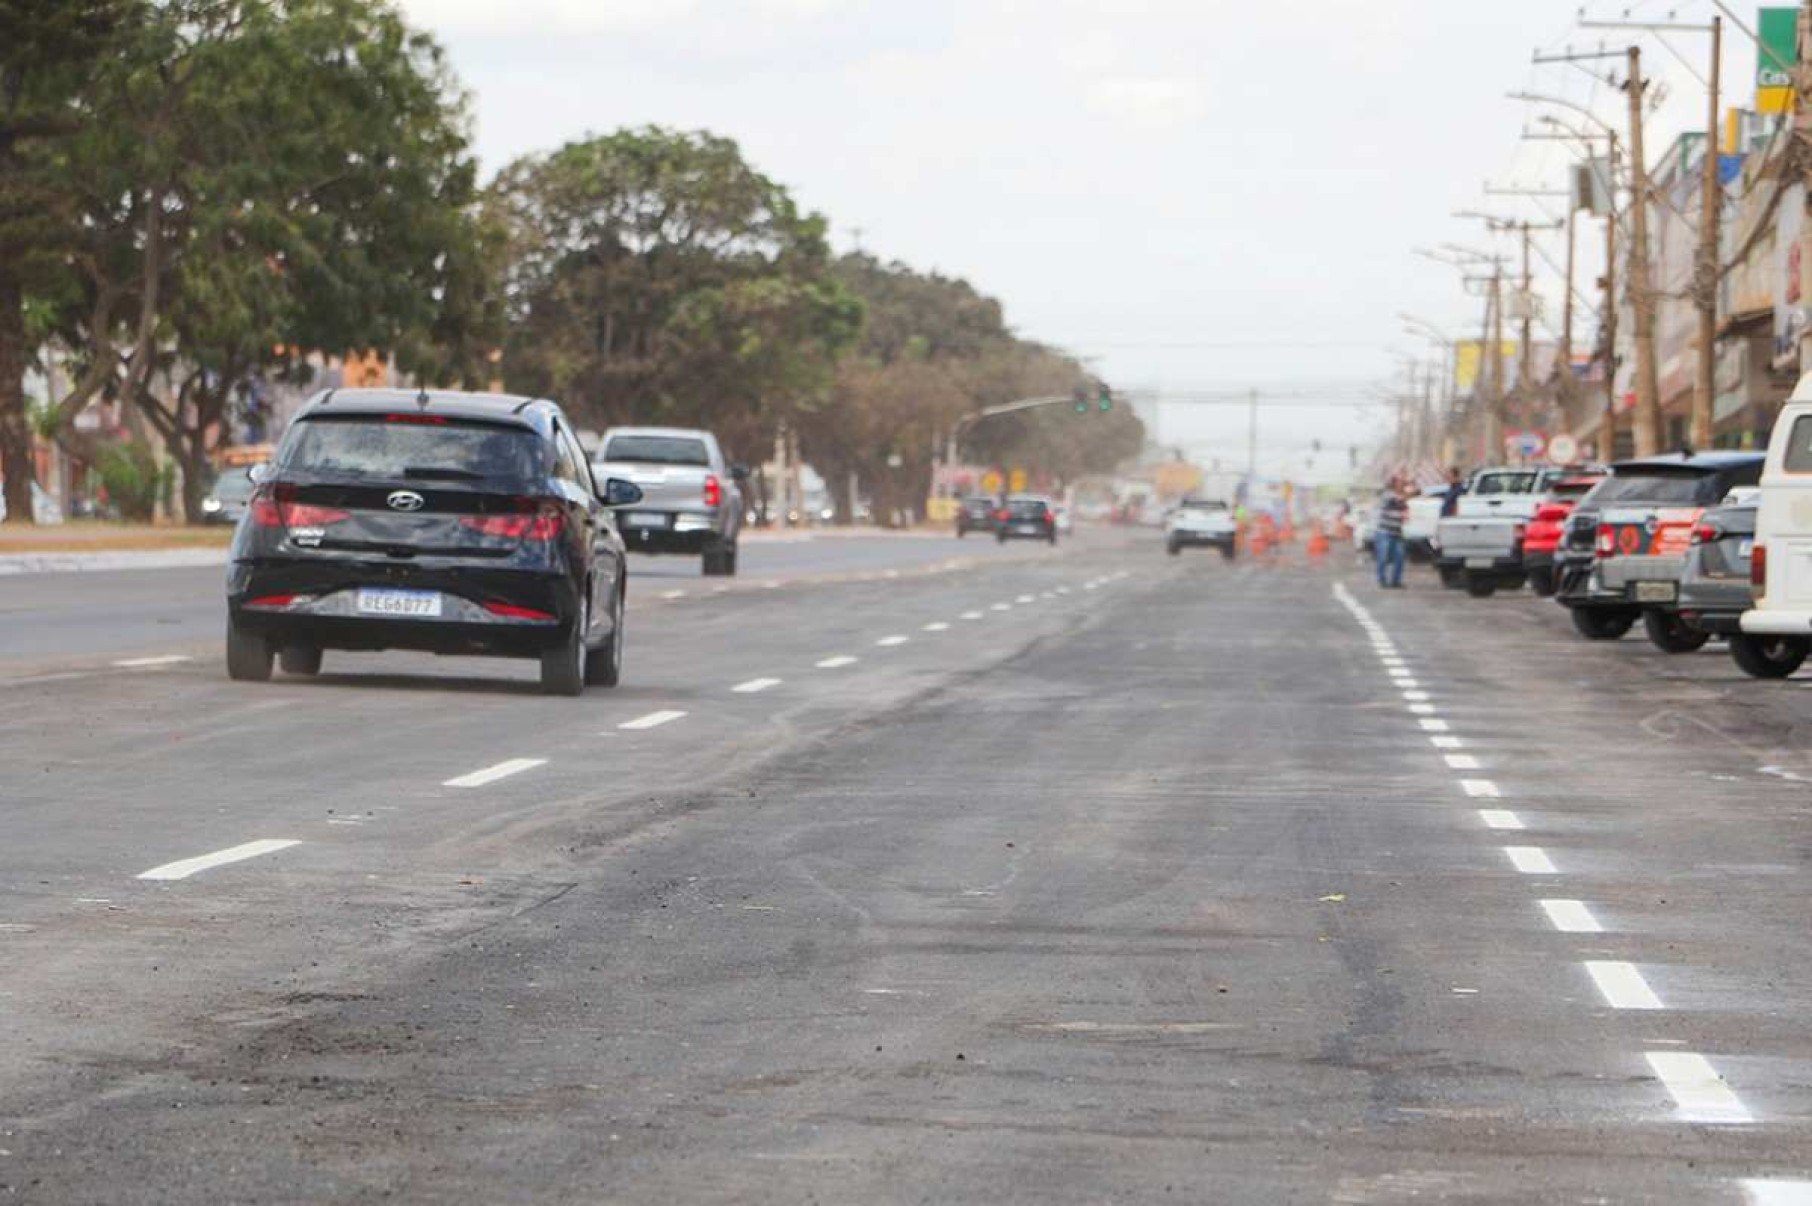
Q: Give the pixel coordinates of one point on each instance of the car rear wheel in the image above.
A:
(1602, 624)
(1227, 552)
(563, 665)
(1541, 581)
(604, 665)
(1480, 586)
(248, 655)
(1173, 548)
(1452, 577)
(1768, 656)
(1669, 633)
(300, 659)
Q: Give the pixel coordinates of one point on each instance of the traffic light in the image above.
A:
(1104, 397)
(1081, 400)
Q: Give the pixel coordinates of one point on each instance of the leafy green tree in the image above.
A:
(50, 50)
(654, 276)
(266, 189)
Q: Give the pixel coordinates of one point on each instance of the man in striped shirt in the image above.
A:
(1387, 542)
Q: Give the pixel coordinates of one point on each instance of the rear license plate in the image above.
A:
(1479, 563)
(1746, 549)
(1656, 592)
(1029, 529)
(407, 603)
(645, 519)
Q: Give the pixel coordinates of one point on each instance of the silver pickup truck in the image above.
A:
(691, 494)
(1480, 546)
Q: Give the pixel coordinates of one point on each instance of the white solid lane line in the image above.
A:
(184, 868)
(890, 642)
(1778, 1193)
(1462, 762)
(755, 686)
(1530, 860)
(938, 626)
(1480, 789)
(1430, 725)
(1500, 818)
(146, 663)
(836, 663)
(1621, 985)
(972, 615)
(1697, 1089)
(490, 774)
(653, 720)
(1571, 916)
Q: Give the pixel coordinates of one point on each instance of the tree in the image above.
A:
(655, 276)
(262, 187)
(49, 51)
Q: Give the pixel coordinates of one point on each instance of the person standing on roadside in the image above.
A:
(1450, 497)
(1388, 540)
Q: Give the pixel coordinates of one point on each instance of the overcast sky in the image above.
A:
(1202, 194)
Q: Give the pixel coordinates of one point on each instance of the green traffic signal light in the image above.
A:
(1081, 403)
(1106, 400)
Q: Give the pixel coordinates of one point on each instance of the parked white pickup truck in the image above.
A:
(1480, 546)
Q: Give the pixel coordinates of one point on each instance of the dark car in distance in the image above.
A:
(976, 515)
(449, 523)
(1027, 517)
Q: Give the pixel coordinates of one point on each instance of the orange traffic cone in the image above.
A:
(1318, 543)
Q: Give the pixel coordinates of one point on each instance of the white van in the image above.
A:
(1777, 630)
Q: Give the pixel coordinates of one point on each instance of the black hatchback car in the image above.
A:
(1026, 517)
(444, 522)
(976, 515)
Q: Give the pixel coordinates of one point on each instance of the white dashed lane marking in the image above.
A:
(490, 774)
(1480, 789)
(148, 663)
(1416, 696)
(1530, 860)
(1447, 743)
(1431, 725)
(890, 642)
(1462, 762)
(673, 594)
(184, 868)
(1500, 818)
(939, 626)
(1001, 607)
(1778, 1193)
(1571, 916)
(755, 686)
(1621, 985)
(972, 615)
(1698, 1091)
(836, 663)
(653, 720)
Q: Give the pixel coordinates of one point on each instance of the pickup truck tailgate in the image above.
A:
(664, 487)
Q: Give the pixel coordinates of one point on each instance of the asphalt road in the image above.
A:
(1076, 876)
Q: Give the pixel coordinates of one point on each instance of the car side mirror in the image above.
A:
(619, 493)
(739, 473)
(258, 473)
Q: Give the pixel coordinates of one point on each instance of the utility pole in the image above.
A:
(1704, 394)
(1251, 446)
(1647, 419)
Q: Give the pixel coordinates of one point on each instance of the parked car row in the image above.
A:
(1694, 547)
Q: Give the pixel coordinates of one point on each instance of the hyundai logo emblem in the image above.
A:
(405, 500)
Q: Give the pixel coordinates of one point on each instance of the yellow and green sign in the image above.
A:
(1776, 54)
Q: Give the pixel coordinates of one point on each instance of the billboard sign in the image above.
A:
(1776, 54)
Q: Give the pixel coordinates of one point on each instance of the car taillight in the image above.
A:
(1550, 513)
(714, 491)
(538, 521)
(510, 611)
(1002, 514)
(1758, 569)
(274, 507)
(1607, 540)
(1050, 517)
(1707, 533)
(271, 601)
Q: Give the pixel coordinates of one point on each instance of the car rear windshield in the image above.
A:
(1505, 483)
(1026, 508)
(1204, 506)
(1655, 486)
(657, 450)
(1573, 489)
(378, 446)
(1799, 446)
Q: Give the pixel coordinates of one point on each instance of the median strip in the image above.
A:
(183, 868)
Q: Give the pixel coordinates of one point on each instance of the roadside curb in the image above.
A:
(65, 563)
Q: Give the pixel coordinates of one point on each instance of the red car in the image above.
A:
(1547, 527)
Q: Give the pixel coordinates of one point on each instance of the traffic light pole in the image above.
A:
(989, 412)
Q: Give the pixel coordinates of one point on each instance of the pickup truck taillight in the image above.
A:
(1607, 540)
(714, 491)
(1550, 513)
(1758, 570)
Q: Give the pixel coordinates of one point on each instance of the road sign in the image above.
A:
(1525, 444)
(1563, 449)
